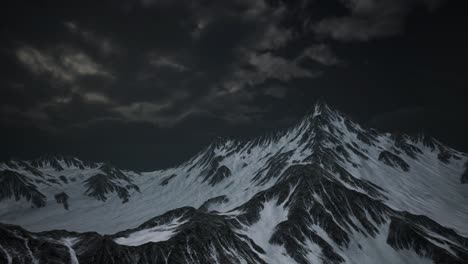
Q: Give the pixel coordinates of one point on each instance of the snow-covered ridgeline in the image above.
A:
(238, 170)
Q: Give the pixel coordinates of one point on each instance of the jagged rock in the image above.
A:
(215, 200)
(407, 232)
(402, 144)
(13, 184)
(220, 174)
(109, 181)
(166, 180)
(444, 155)
(20, 246)
(464, 177)
(100, 185)
(426, 141)
(274, 166)
(59, 162)
(355, 150)
(368, 137)
(393, 160)
(319, 191)
(62, 198)
(63, 178)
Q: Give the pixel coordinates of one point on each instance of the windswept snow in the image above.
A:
(413, 176)
(69, 242)
(262, 230)
(376, 250)
(154, 234)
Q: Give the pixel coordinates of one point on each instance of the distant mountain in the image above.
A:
(326, 190)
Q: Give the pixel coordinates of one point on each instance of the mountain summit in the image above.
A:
(326, 190)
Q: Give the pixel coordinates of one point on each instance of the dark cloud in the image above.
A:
(270, 66)
(165, 62)
(62, 64)
(276, 91)
(369, 19)
(163, 78)
(105, 45)
(214, 53)
(322, 54)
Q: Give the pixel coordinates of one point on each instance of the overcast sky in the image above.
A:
(146, 84)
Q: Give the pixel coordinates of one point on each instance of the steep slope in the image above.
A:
(325, 190)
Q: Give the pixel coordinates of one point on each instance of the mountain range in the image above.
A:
(326, 190)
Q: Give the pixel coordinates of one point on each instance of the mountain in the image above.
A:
(326, 190)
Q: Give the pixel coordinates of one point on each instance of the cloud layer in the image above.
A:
(172, 68)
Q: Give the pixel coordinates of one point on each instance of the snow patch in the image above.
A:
(261, 231)
(69, 242)
(154, 234)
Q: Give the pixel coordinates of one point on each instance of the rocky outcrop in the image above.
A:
(393, 160)
(14, 184)
(464, 177)
(62, 198)
(110, 180)
(323, 191)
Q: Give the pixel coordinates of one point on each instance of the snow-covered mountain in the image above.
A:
(324, 191)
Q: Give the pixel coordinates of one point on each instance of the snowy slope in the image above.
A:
(325, 190)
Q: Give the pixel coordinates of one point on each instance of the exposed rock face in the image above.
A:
(13, 184)
(62, 198)
(324, 191)
(205, 207)
(60, 163)
(312, 199)
(393, 160)
(464, 178)
(20, 246)
(220, 174)
(427, 239)
(166, 180)
(109, 181)
(105, 180)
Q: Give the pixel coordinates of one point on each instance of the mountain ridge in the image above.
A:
(325, 190)
(320, 103)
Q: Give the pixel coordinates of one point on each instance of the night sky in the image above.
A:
(147, 84)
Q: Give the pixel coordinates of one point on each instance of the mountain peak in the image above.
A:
(321, 110)
(57, 162)
(324, 189)
(320, 105)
